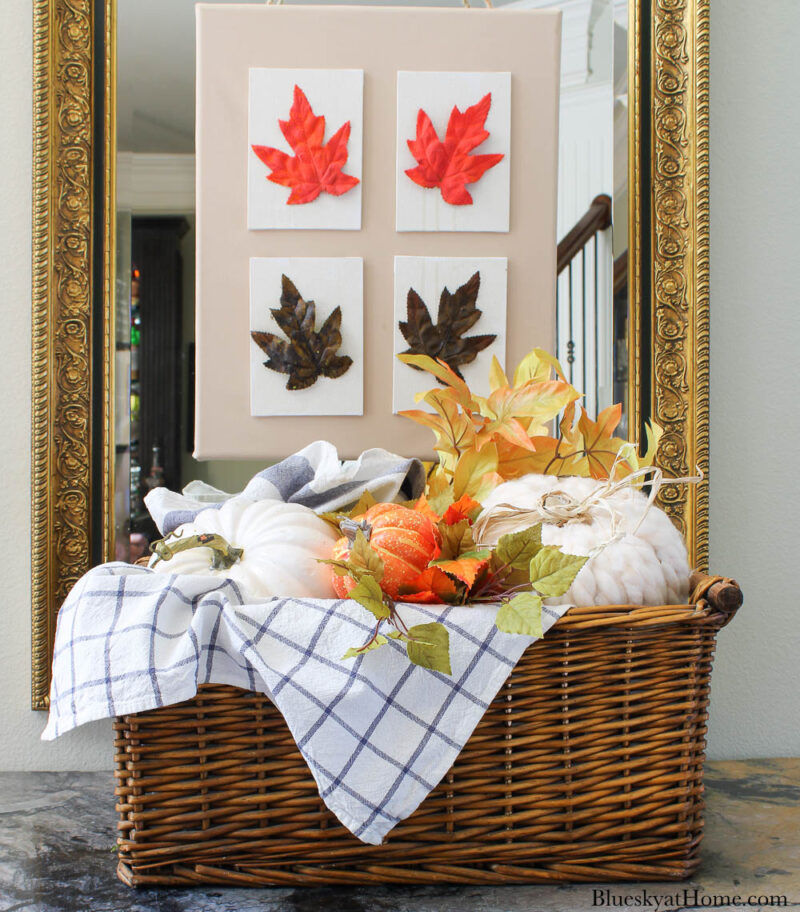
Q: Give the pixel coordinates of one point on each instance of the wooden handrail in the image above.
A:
(597, 218)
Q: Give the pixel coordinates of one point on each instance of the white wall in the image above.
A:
(755, 344)
(20, 747)
(755, 340)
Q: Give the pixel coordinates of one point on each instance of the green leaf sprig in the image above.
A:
(427, 645)
(546, 572)
(518, 573)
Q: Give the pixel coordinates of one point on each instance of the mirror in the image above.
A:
(155, 219)
(112, 243)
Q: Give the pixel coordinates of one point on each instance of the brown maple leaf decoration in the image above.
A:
(308, 354)
(445, 340)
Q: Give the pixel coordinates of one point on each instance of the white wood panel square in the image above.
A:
(428, 276)
(424, 208)
(330, 282)
(336, 95)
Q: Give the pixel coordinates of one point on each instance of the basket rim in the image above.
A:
(714, 600)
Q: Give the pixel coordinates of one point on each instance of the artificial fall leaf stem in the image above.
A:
(484, 440)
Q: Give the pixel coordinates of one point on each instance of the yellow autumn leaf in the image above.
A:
(439, 490)
(654, 433)
(543, 401)
(442, 432)
(484, 441)
(514, 432)
(487, 484)
(599, 446)
(514, 462)
(442, 372)
(536, 366)
(470, 470)
(497, 376)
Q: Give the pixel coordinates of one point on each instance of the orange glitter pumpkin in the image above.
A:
(405, 540)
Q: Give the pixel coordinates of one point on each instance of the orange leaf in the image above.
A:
(568, 434)
(600, 449)
(463, 508)
(513, 431)
(422, 506)
(425, 598)
(607, 420)
(431, 586)
(467, 569)
(449, 165)
(315, 168)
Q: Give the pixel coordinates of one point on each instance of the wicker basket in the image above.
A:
(587, 766)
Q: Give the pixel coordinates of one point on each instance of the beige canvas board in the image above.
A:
(233, 39)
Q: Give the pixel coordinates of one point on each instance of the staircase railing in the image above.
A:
(584, 303)
(597, 218)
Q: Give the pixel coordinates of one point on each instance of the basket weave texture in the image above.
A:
(587, 766)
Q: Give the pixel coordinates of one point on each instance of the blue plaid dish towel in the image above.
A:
(378, 733)
(314, 477)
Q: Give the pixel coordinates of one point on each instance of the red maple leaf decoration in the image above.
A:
(314, 167)
(449, 165)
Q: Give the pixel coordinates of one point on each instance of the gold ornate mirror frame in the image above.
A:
(73, 256)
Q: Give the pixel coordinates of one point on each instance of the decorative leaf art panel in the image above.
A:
(322, 129)
(306, 336)
(451, 308)
(304, 151)
(453, 151)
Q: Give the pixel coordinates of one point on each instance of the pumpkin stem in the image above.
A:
(223, 555)
(350, 528)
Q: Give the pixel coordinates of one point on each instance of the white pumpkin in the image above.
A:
(281, 545)
(648, 566)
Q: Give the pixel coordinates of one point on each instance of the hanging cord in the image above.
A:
(558, 507)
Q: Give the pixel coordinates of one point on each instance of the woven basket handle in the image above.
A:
(723, 595)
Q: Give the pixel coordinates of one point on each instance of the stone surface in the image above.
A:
(57, 831)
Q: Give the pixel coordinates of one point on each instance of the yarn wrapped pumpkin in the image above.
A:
(281, 544)
(406, 540)
(647, 565)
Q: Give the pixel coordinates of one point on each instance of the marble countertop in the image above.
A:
(57, 832)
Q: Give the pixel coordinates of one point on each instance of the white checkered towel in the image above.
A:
(378, 732)
(314, 477)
